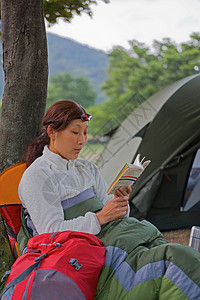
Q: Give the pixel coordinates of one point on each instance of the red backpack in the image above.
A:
(63, 265)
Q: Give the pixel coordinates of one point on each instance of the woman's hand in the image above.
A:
(122, 192)
(115, 208)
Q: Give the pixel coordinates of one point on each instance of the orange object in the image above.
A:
(9, 181)
(10, 204)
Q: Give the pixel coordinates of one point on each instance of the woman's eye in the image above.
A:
(74, 132)
(85, 133)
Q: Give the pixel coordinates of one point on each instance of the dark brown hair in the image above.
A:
(58, 117)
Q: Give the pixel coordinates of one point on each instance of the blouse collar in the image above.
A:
(57, 159)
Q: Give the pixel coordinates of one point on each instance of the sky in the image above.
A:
(116, 23)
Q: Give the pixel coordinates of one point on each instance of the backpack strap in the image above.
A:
(23, 275)
(28, 271)
(6, 274)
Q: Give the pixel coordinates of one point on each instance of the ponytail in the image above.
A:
(35, 149)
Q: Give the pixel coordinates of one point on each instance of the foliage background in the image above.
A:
(122, 78)
(137, 73)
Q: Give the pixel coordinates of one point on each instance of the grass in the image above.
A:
(177, 236)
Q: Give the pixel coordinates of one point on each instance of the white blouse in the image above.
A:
(51, 179)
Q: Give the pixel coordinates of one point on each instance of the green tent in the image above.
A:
(168, 192)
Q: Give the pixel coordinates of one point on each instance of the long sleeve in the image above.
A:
(40, 195)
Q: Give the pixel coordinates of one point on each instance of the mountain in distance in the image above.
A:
(68, 56)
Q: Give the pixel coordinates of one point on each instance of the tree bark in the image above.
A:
(25, 64)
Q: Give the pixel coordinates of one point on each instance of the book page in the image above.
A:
(129, 174)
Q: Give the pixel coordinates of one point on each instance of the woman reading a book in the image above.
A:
(61, 192)
(56, 178)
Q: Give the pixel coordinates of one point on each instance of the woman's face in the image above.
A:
(69, 142)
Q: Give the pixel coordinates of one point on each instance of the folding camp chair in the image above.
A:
(10, 204)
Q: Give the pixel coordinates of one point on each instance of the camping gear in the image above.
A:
(164, 129)
(10, 204)
(139, 263)
(62, 265)
(194, 240)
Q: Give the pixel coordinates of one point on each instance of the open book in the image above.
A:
(129, 174)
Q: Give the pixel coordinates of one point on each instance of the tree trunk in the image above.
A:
(25, 66)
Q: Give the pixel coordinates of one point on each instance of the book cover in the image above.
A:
(129, 174)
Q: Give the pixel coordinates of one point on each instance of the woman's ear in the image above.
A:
(50, 132)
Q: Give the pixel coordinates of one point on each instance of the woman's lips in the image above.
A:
(77, 150)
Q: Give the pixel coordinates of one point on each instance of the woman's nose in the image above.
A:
(81, 139)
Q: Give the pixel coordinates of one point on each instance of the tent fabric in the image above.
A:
(172, 129)
(169, 136)
(170, 142)
(124, 143)
(194, 197)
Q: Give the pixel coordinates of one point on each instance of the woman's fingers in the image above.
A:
(113, 209)
(123, 192)
(128, 189)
